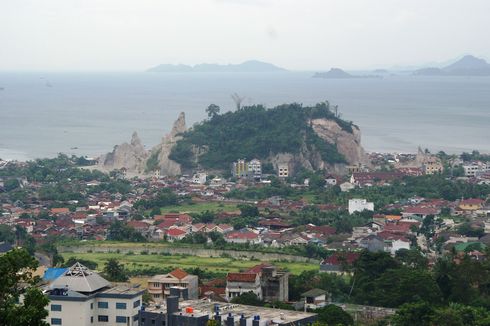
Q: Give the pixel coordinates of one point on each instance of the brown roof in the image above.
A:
(241, 277)
(178, 273)
(61, 210)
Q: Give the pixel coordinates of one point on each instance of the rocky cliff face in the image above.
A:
(131, 156)
(166, 165)
(348, 144)
(134, 158)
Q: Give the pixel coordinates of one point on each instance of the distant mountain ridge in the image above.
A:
(247, 66)
(466, 66)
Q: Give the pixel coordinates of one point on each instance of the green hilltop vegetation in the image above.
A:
(256, 132)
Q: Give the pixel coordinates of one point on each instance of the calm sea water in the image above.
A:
(42, 114)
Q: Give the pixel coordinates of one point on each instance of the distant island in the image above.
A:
(337, 73)
(466, 66)
(247, 66)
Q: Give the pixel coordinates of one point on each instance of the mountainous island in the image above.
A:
(466, 66)
(312, 137)
(337, 73)
(247, 66)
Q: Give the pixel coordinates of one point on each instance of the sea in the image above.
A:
(43, 114)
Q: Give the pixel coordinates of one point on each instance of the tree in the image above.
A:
(212, 110)
(115, 271)
(409, 314)
(11, 184)
(120, 232)
(334, 315)
(248, 210)
(16, 278)
(6, 234)
(248, 298)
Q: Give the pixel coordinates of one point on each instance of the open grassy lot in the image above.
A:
(215, 264)
(200, 207)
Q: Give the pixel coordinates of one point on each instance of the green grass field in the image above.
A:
(199, 207)
(218, 264)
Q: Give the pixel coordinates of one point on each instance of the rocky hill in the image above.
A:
(304, 137)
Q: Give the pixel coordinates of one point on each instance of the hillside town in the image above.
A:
(328, 219)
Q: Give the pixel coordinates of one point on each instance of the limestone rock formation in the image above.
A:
(348, 144)
(130, 156)
(162, 150)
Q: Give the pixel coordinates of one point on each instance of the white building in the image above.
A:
(239, 283)
(283, 170)
(255, 169)
(80, 297)
(199, 178)
(475, 169)
(359, 205)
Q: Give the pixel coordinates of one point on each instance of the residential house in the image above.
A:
(243, 236)
(471, 205)
(314, 298)
(175, 234)
(339, 262)
(239, 283)
(159, 285)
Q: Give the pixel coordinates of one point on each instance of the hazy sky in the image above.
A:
(300, 35)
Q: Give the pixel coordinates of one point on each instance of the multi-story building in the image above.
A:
(81, 297)
(240, 169)
(255, 169)
(159, 285)
(432, 165)
(475, 169)
(244, 169)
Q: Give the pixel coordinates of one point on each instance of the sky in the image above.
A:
(133, 35)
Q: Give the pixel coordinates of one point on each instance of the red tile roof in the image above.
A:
(175, 232)
(61, 210)
(242, 235)
(178, 273)
(338, 258)
(241, 277)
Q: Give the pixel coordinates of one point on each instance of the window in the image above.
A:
(55, 321)
(55, 307)
(120, 305)
(92, 319)
(91, 305)
(136, 304)
(135, 318)
(103, 318)
(153, 321)
(103, 305)
(156, 295)
(121, 319)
